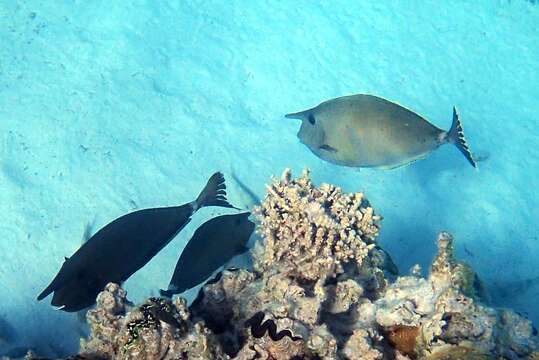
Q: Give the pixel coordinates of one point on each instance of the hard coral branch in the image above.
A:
(319, 284)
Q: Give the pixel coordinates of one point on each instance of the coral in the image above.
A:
(318, 290)
(158, 329)
(403, 338)
(454, 352)
(310, 232)
(447, 312)
(317, 260)
(359, 345)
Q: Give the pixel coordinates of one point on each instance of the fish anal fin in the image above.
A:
(402, 164)
(88, 229)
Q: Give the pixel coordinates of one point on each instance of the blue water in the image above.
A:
(106, 107)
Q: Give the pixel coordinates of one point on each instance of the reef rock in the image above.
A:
(317, 290)
(158, 329)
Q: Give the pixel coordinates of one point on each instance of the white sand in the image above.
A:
(106, 108)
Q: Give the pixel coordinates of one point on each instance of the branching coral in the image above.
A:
(318, 291)
(449, 319)
(312, 231)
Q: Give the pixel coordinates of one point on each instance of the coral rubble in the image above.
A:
(158, 329)
(318, 290)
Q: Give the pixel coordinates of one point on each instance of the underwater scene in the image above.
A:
(269, 179)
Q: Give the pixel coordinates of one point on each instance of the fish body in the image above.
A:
(369, 131)
(122, 247)
(213, 244)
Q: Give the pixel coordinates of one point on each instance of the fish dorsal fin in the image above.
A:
(88, 231)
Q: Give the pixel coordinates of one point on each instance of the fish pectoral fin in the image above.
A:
(327, 147)
(87, 231)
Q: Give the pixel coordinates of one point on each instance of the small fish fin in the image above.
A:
(214, 193)
(399, 165)
(66, 258)
(88, 231)
(327, 148)
(456, 136)
(166, 293)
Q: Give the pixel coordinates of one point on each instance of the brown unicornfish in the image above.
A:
(368, 131)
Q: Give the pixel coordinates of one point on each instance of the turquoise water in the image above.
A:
(106, 107)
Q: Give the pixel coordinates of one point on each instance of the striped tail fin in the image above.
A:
(456, 137)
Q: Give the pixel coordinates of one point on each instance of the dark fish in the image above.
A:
(368, 131)
(124, 246)
(213, 244)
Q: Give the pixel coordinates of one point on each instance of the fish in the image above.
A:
(120, 248)
(369, 131)
(213, 244)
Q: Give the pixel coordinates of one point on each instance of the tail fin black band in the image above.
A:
(456, 136)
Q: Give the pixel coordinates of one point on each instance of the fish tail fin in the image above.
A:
(455, 136)
(214, 193)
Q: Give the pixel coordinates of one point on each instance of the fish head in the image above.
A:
(78, 293)
(244, 229)
(237, 230)
(311, 132)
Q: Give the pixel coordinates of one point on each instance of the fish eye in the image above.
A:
(311, 119)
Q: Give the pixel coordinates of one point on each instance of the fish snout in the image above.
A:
(299, 115)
